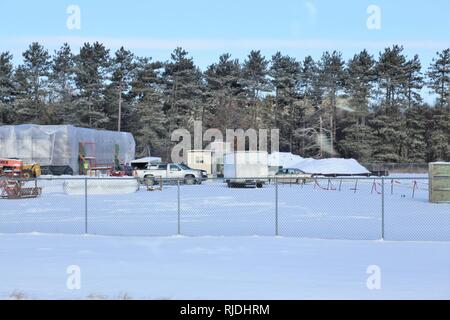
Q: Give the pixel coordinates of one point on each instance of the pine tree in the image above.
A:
(332, 79)
(390, 138)
(147, 89)
(357, 138)
(225, 94)
(183, 91)
(22, 103)
(285, 73)
(390, 78)
(91, 68)
(63, 86)
(33, 77)
(438, 134)
(357, 142)
(117, 104)
(310, 92)
(6, 88)
(399, 129)
(413, 82)
(439, 78)
(415, 127)
(254, 73)
(359, 84)
(310, 87)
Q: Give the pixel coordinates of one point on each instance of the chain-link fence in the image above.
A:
(326, 208)
(397, 167)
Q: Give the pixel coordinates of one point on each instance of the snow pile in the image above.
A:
(310, 165)
(283, 159)
(101, 186)
(331, 166)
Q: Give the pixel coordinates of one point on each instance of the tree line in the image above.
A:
(369, 108)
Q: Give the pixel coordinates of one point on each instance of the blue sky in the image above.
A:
(208, 28)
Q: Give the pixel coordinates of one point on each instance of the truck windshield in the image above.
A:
(139, 165)
(183, 166)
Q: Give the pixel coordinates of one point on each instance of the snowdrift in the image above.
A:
(283, 159)
(101, 186)
(331, 166)
(337, 166)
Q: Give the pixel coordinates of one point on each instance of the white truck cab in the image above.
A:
(172, 172)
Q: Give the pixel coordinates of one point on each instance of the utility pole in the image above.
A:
(320, 137)
(332, 134)
(120, 108)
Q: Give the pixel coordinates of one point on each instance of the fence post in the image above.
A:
(276, 206)
(85, 205)
(382, 208)
(178, 208)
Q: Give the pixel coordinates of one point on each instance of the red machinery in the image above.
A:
(10, 167)
(12, 181)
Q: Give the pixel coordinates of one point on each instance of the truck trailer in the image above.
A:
(246, 169)
(64, 149)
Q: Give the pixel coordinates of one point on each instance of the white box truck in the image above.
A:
(246, 169)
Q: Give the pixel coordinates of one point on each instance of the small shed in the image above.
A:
(439, 182)
(202, 160)
(220, 148)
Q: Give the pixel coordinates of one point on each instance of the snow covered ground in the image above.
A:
(224, 259)
(212, 209)
(35, 266)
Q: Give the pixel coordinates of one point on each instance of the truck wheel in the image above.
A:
(259, 184)
(189, 180)
(68, 171)
(149, 181)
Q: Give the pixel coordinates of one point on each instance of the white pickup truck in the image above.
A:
(170, 172)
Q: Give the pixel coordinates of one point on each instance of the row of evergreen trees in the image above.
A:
(369, 108)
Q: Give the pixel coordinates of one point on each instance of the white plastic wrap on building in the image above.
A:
(59, 145)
